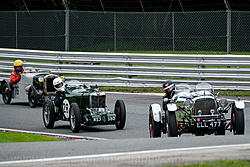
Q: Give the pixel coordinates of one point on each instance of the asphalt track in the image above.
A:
(118, 145)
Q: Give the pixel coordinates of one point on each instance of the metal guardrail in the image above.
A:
(135, 70)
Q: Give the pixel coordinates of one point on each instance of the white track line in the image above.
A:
(53, 134)
(123, 154)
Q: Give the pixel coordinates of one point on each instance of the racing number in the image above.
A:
(66, 108)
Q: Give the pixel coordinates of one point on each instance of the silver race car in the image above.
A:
(33, 87)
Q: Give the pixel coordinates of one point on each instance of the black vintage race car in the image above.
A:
(83, 104)
(198, 112)
(33, 87)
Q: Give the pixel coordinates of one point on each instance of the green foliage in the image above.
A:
(227, 163)
(9, 137)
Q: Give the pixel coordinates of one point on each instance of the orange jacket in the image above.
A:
(14, 77)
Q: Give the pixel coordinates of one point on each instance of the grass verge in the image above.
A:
(11, 137)
(159, 90)
(226, 163)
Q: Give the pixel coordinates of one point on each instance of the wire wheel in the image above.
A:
(75, 118)
(120, 112)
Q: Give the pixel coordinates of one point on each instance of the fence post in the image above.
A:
(67, 29)
(229, 30)
(173, 32)
(114, 31)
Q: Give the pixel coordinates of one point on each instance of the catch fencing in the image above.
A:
(135, 70)
(223, 31)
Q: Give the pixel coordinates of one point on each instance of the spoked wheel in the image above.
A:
(75, 118)
(172, 125)
(154, 127)
(6, 94)
(49, 116)
(237, 119)
(120, 112)
(32, 97)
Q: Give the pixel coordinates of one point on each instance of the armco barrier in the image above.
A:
(135, 70)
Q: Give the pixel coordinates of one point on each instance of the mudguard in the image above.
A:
(172, 107)
(239, 104)
(156, 109)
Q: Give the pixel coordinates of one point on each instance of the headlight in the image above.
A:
(40, 79)
(188, 104)
(223, 103)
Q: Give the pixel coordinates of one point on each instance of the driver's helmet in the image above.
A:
(18, 65)
(169, 88)
(59, 84)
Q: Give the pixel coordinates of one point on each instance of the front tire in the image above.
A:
(120, 112)
(75, 118)
(6, 93)
(32, 97)
(238, 121)
(172, 125)
(154, 127)
(49, 115)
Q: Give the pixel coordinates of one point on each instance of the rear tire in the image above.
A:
(120, 112)
(75, 118)
(32, 97)
(172, 125)
(238, 122)
(6, 93)
(49, 115)
(154, 127)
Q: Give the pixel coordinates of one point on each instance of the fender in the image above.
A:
(172, 107)
(156, 110)
(239, 104)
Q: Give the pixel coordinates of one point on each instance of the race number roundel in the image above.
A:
(66, 108)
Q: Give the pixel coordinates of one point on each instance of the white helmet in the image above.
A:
(59, 84)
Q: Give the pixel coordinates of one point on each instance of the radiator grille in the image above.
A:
(98, 101)
(205, 105)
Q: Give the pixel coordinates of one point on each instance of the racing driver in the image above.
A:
(18, 70)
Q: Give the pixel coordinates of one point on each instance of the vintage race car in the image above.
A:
(196, 111)
(83, 104)
(33, 87)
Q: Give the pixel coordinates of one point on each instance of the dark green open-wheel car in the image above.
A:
(83, 105)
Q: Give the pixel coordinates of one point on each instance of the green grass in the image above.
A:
(159, 90)
(10, 137)
(132, 89)
(226, 163)
(233, 93)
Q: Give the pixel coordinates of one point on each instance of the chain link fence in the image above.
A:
(117, 31)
